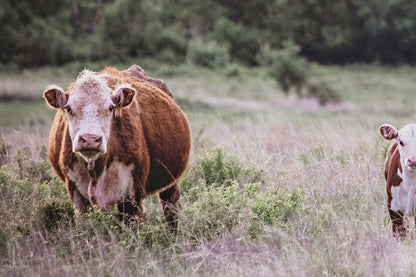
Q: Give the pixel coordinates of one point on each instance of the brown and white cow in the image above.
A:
(117, 137)
(400, 174)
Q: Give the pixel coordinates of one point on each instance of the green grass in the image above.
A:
(31, 113)
(275, 185)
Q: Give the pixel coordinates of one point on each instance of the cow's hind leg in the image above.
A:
(398, 227)
(169, 199)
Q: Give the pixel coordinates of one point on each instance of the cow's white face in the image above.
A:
(406, 140)
(90, 106)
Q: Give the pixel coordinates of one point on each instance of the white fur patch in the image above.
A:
(89, 102)
(404, 199)
(115, 184)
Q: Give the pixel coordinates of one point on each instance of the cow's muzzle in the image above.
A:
(411, 163)
(89, 145)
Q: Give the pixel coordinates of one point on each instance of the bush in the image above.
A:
(217, 168)
(213, 211)
(221, 195)
(55, 213)
(241, 41)
(207, 53)
(288, 69)
(323, 92)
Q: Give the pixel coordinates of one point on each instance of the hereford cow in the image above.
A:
(400, 174)
(117, 137)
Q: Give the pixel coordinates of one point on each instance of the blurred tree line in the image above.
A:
(209, 32)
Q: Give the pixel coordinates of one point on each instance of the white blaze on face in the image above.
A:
(90, 106)
(90, 110)
(406, 140)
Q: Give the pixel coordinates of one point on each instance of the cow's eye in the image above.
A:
(111, 108)
(67, 108)
(401, 143)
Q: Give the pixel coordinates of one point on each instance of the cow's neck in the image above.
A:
(408, 177)
(95, 168)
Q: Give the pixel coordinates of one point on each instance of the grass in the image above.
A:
(276, 186)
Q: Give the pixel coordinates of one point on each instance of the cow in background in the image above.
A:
(400, 174)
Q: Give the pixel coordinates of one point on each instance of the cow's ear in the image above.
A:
(388, 132)
(123, 96)
(55, 96)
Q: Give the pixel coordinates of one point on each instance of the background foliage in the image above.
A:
(35, 33)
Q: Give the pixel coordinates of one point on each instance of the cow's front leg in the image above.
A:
(130, 209)
(79, 202)
(398, 228)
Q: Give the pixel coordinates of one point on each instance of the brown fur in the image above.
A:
(138, 72)
(152, 133)
(392, 166)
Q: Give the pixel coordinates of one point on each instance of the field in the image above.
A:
(277, 186)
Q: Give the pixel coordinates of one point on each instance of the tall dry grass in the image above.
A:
(299, 192)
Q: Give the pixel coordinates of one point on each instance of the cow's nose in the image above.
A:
(411, 162)
(89, 141)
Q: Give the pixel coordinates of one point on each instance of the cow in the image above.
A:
(400, 175)
(117, 137)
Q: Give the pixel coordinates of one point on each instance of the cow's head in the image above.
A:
(90, 105)
(406, 140)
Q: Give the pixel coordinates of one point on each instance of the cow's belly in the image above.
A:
(113, 185)
(403, 199)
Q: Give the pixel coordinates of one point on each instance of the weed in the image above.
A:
(4, 152)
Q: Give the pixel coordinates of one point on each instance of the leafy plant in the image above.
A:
(323, 92)
(55, 213)
(219, 168)
(207, 53)
(289, 69)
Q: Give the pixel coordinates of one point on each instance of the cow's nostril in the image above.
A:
(89, 141)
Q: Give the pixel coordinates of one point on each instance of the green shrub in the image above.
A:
(323, 92)
(279, 206)
(288, 69)
(154, 232)
(219, 169)
(55, 213)
(213, 211)
(53, 188)
(207, 53)
(242, 42)
(220, 194)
